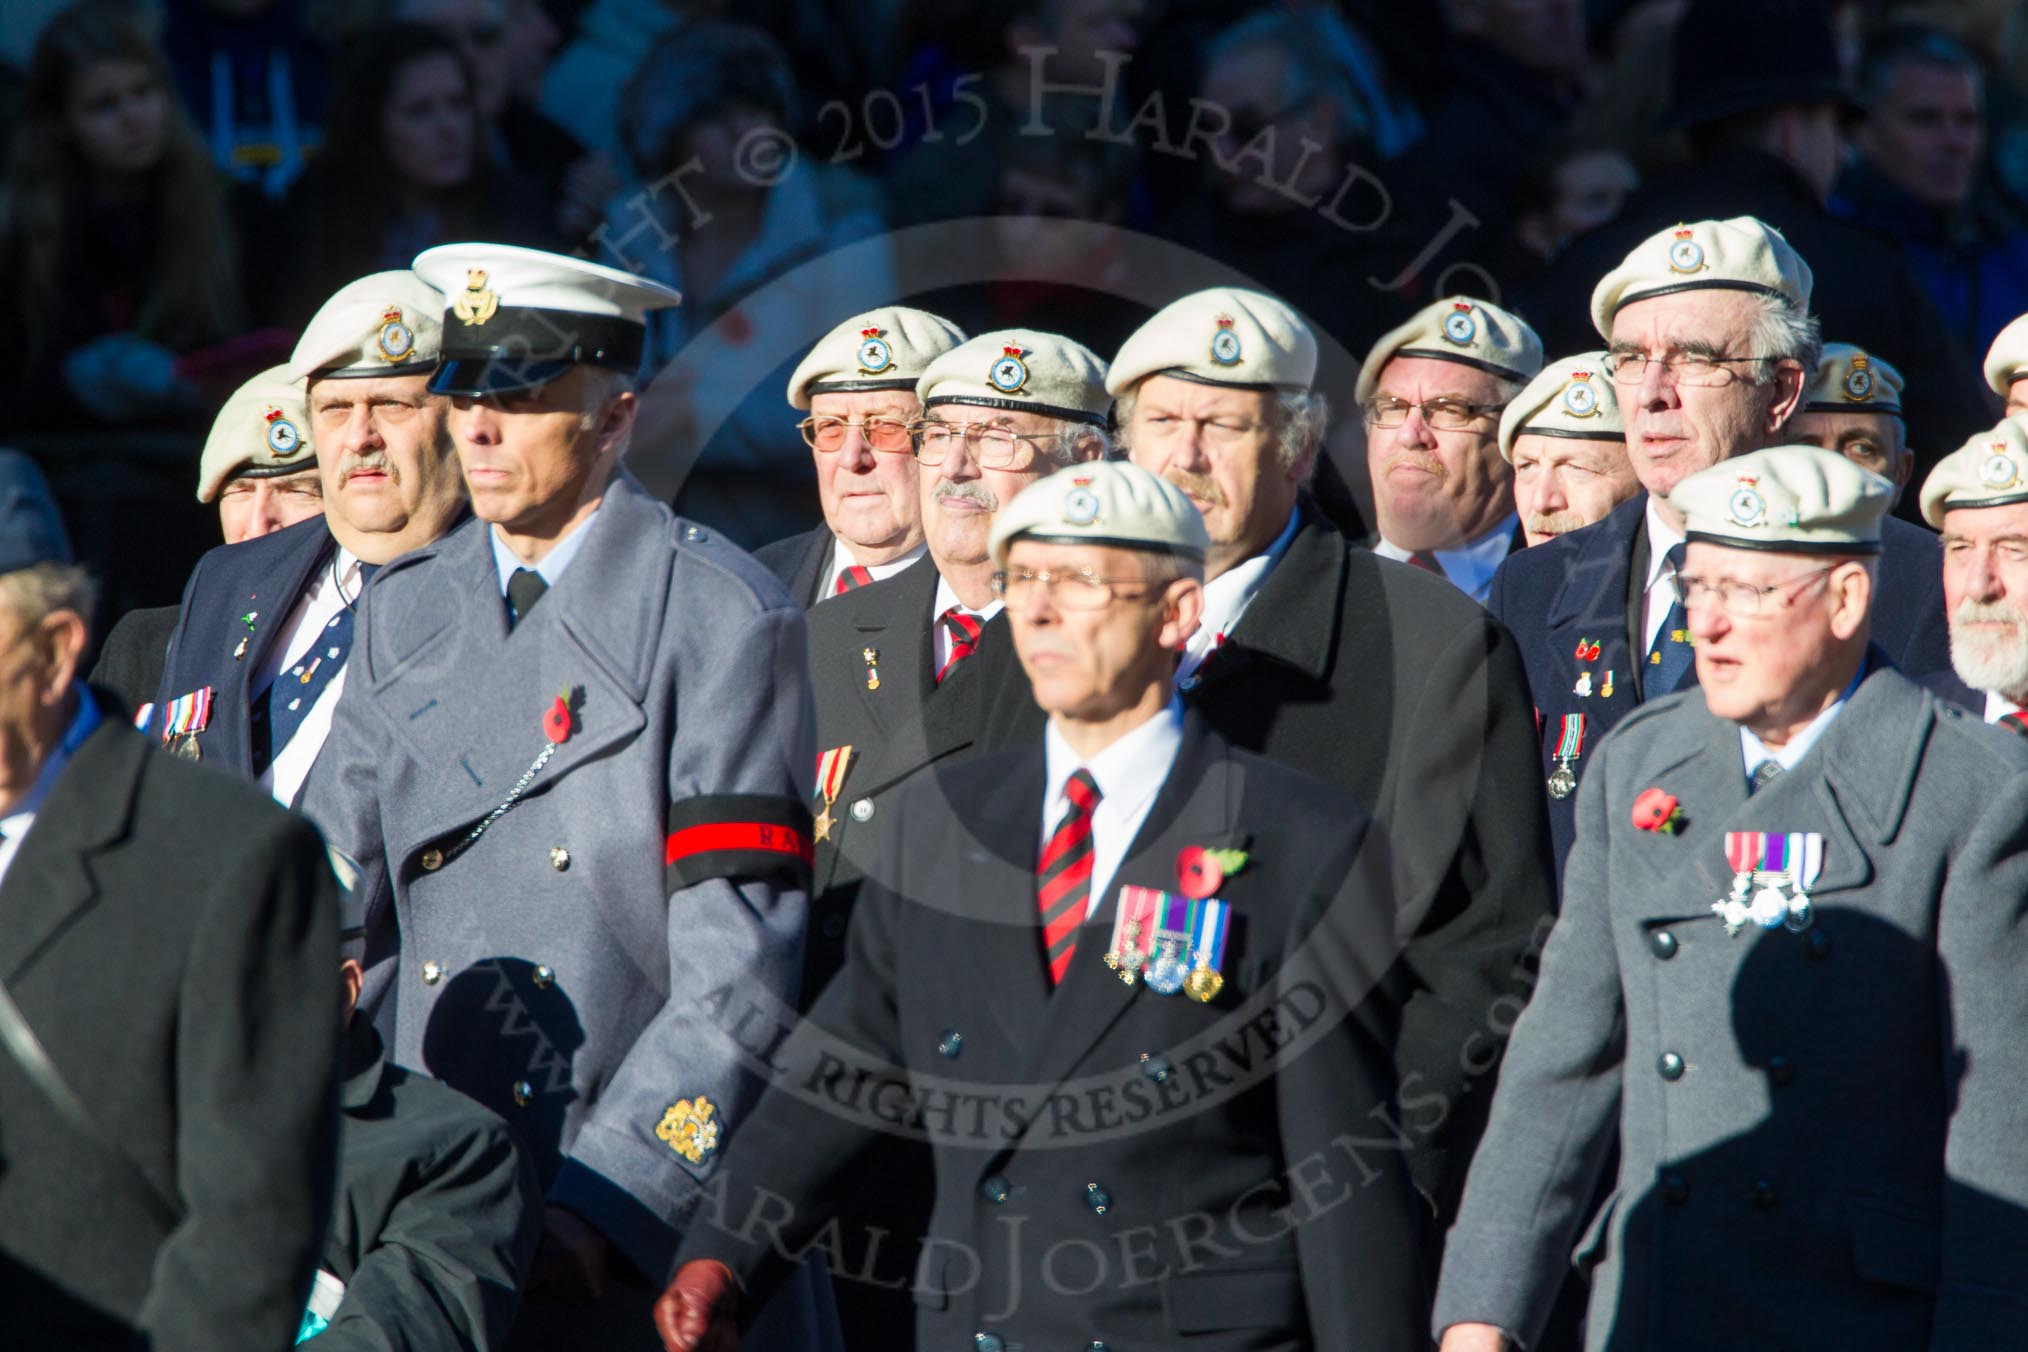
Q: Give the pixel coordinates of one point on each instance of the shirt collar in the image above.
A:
(841, 559)
(1470, 567)
(946, 598)
(1662, 537)
(1234, 587)
(553, 563)
(1998, 706)
(1754, 751)
(82, 724)
(1128, 773)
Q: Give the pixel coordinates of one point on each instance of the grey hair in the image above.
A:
(35, 593)
(1069, 433)
(1299, 416)
(1780, 332)
(601, 386)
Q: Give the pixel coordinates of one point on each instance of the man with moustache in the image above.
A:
(1002, 952)
(1786, 982)
(1563, 436)
(260, 466)
(1382, 680)
(1710, 342)
(258, 660)
(858, 384)
(1432, 392)
(1853, 407)
(1978, 497)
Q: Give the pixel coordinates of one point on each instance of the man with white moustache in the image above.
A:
(1568, 446)
(1978, 497)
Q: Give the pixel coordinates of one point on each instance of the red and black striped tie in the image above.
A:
(965, 628)
(1063, 877)
(2015, 722)
(857, 575)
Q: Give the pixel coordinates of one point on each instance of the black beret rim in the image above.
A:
(1438, 354)
(1785, 546)
(1017, 406)
(857, 386)
(1624, 299)
(1115, 541)
(1823, 406)
(1199, 378)
(407, 368)
(1567, 433)
(2005, 500)
(250, 470)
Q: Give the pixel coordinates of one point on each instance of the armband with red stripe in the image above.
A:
(748, 837)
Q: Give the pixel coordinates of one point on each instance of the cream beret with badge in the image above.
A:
(1227, 335)
(1470, 332)
(1573, 398)
(1020, 370)
(1742, 254)
(385, 324)
(1852, 380)
(1990, 470)
(1787, 499)
(2007, 358)
(886, 349)
(1110, 502)
(263, 431)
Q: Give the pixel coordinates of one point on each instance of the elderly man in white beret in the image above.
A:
(1383, 681)
(2007, 366)
(1563, 436)
(1786, 980)
(1710, 343)
(1432, 391)
(258, 659)
(858, 386)
(1853, 407)
(1978, 497)
(1045, 918)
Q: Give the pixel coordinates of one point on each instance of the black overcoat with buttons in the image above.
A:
(1113, 1167)
(1822, 1139)
(801, 562)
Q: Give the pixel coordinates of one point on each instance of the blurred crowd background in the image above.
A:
(186, 180)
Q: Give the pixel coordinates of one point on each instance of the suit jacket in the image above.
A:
(132, 657)
(1395, 688)
(1584, 585)
(170, 937)
(900, 725)
(1100, 1119)
(555, 964)
(438, 1213)
(265, 576)
(800, 562)
(1820, 1132)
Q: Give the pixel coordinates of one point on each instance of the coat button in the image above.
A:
(433, 972)
(988, 1342)
(1763, 1195)
(523, 1092)
(432, 860)
(559, 858)
(995, 1189)
(694, 535)
(862, 811)
(950, 1044)
(1097, 1198)
(1781, 1070)
(1662, 944)
(545, 977)
(1094, 1346)
(1669, 1066)
(1155, 1068)
(1817, 944)
(1675, 1188)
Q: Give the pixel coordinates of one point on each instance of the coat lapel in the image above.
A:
(1294, 618)
(51, 878)
(996, 955)
(897, 632)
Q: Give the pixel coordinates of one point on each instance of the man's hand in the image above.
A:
(571, 1260)
(699, 1310)
(1474, 1338)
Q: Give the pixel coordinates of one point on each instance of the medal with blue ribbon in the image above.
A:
(1772, 874)
(1208, 931)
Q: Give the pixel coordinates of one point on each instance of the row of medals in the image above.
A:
(1166, 973)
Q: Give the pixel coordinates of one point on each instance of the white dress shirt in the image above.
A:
(1226, 598)
(553, 563)
(1754, 752)
(1129, 773)
(336, 586)
(1470, 567)
(940, 634)
(1998, 706)
(1662, 537)
(14, 826)
(841, 559)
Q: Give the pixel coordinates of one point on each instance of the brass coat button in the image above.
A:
(523, 1092)
(432, 860)
(559, 858)
(545, 976)
(433, 972)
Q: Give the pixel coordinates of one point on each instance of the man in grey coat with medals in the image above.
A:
(1787, 969)
(572, 762)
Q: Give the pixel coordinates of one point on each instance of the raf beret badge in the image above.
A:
(1686, 254)
(1080, 504)
(1009, 373)
(1997, 471)
(1459, 326)
(875, 355)
(1859, 380)
(396, 340)
(1225, 343)
(1580, 400)
(283, 438)
(1746, 506)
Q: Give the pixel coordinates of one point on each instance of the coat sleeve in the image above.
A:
(738, 866)
(445, 1272)
(1475, 888)
(1982, 937)
(1556, 1111)
(256, 1102)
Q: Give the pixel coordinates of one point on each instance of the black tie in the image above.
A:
(524, 589)
(1764, 774)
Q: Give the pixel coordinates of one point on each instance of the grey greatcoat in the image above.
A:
(565, 968)
(1823, 1135)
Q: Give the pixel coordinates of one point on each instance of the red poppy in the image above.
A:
(556, 724)
(1198, 875)
(1655, 810)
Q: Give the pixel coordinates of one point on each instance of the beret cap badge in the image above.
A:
(476, 303)
(283, 438)
(1580, 398)
(1746, 507)
(396, 339)
(1459, 326)
(1859, 380)
(1009, 374)
(1080, 504)
(1686, 255)
(1998, 470)
(1225, 342)
(875, 355)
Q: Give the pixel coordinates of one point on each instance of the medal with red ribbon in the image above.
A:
(1772, 874)
(1563, 779)
(1134, 929)
(831, 768)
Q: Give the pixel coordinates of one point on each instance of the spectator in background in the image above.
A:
(1569, 191)
(403, 170)
(1918, 181)
(116, 256)
(753, 244)
(581, 90)
(253, 74)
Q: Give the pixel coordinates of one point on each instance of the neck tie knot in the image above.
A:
(1766, 773)
(963, 628)
(524, 589)
(2015, 722)
(855, 576)
(1082, 791)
